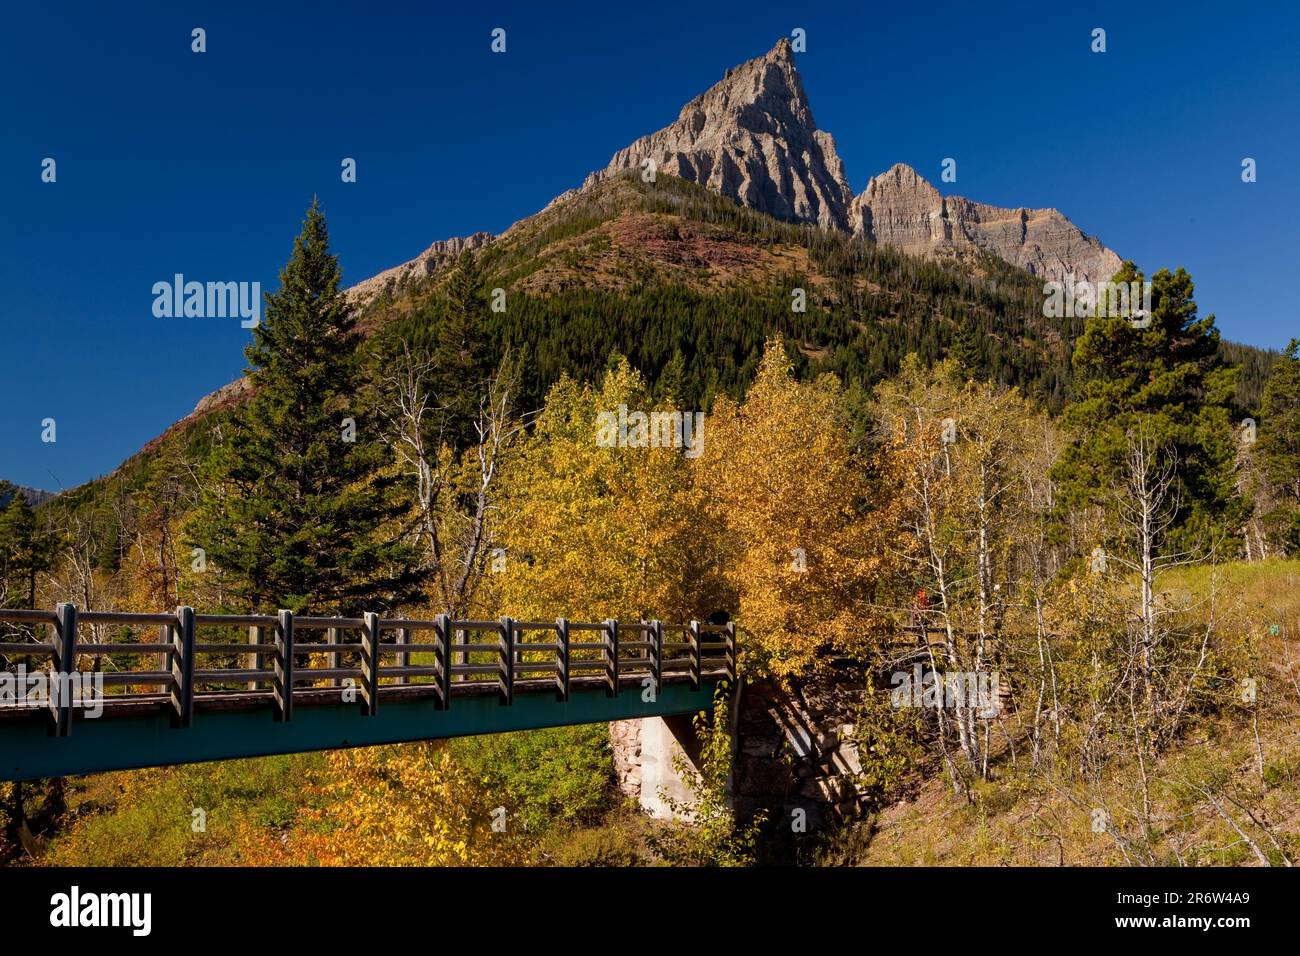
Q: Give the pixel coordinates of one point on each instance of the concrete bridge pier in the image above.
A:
(665, 743)
(793, 752)
(648, 758)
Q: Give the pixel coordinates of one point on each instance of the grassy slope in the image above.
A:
(1017, 821)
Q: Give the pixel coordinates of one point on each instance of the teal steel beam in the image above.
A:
(121, 742)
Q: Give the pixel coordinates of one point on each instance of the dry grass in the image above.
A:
(1022, 819)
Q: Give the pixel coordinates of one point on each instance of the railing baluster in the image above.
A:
(182, 638)
(694, 637)
(335, 657)
(181, 676)
(370, 663)
(657, 655)
(731, 654)
(507, 661)
(62, 665)
(562, 660)
(611, 657)
(284, 666)
(256, 635)
(403, 658)
(442, 633)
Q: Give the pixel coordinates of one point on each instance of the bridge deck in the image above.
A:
(141, 733)
(193, 713)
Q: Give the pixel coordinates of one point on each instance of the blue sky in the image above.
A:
(171, 161)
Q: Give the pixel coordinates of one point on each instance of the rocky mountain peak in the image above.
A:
(751, 137)
(900, 208)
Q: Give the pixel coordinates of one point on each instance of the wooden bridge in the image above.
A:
(301, 683)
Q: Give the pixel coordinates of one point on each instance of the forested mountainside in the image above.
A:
(653, 269)
(687, 285)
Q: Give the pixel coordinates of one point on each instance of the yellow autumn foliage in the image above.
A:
(593, 532)
(805, 540)
(404, 806)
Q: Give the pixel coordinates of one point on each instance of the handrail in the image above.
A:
(648, 657)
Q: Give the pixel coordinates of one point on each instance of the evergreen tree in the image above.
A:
(300, 500)
(965, 350)
(461, 353)
(26, 550)
(1163, 373)
(671, 384)
(1279, 442)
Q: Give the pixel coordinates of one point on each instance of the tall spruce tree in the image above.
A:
(1279, 442)
(300, 499)
(965, 350)
(26, 551)
(461, 354)
(1163, 374)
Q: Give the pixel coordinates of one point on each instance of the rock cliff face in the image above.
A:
(751, 137)
(899, 208)
(426, 263)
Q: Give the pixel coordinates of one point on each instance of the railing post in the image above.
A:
(657, 655)
(562, 660)
(731, 654)
(256, 636)
(370, 663)
(183, 666)
(62, 665)
(403, 657)
(335, 658)
(694, 637)
(507, 661)
(611, 657)
(284, 666)
(442, 635)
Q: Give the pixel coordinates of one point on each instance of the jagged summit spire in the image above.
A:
(751, 136)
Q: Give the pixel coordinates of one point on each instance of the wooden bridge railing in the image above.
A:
(462, 656)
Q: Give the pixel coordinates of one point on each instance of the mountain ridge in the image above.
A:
(752, 137)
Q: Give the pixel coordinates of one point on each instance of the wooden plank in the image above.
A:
(329, 622)
(83, 648)
(283, 686)
(124, 617)
(182, 692)
(20, 616)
